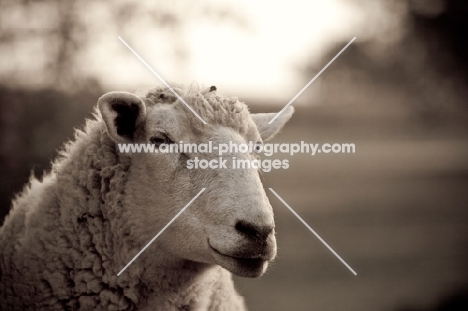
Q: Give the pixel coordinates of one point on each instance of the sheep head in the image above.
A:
(231, 224)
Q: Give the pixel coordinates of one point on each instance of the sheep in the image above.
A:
(70, 233)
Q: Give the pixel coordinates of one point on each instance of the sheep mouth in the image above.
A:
(246, 266)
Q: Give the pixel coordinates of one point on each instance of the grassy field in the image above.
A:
(396, 211)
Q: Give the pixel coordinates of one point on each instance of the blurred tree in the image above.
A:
(45, 41)
(413, 57)
(443, 26)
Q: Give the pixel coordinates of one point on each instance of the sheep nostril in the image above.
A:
(254, 231)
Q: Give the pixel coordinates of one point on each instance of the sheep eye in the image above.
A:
(258, 146)
(161, 139)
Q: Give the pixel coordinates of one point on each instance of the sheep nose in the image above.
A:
(254, 231)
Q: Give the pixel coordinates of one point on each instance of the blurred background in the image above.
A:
(396, 210)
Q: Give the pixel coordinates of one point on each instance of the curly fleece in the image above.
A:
(65, 238)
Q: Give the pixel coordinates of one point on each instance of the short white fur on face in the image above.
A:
(232, 223)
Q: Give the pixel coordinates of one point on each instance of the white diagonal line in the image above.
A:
(312, 230)
(162, 80)
(310, 82)
(160, 232)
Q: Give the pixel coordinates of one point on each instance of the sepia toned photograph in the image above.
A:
(234, 155)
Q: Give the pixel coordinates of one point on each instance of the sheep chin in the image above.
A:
(245, 267)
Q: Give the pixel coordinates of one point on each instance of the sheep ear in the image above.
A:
(123, 113)
(267, 131)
